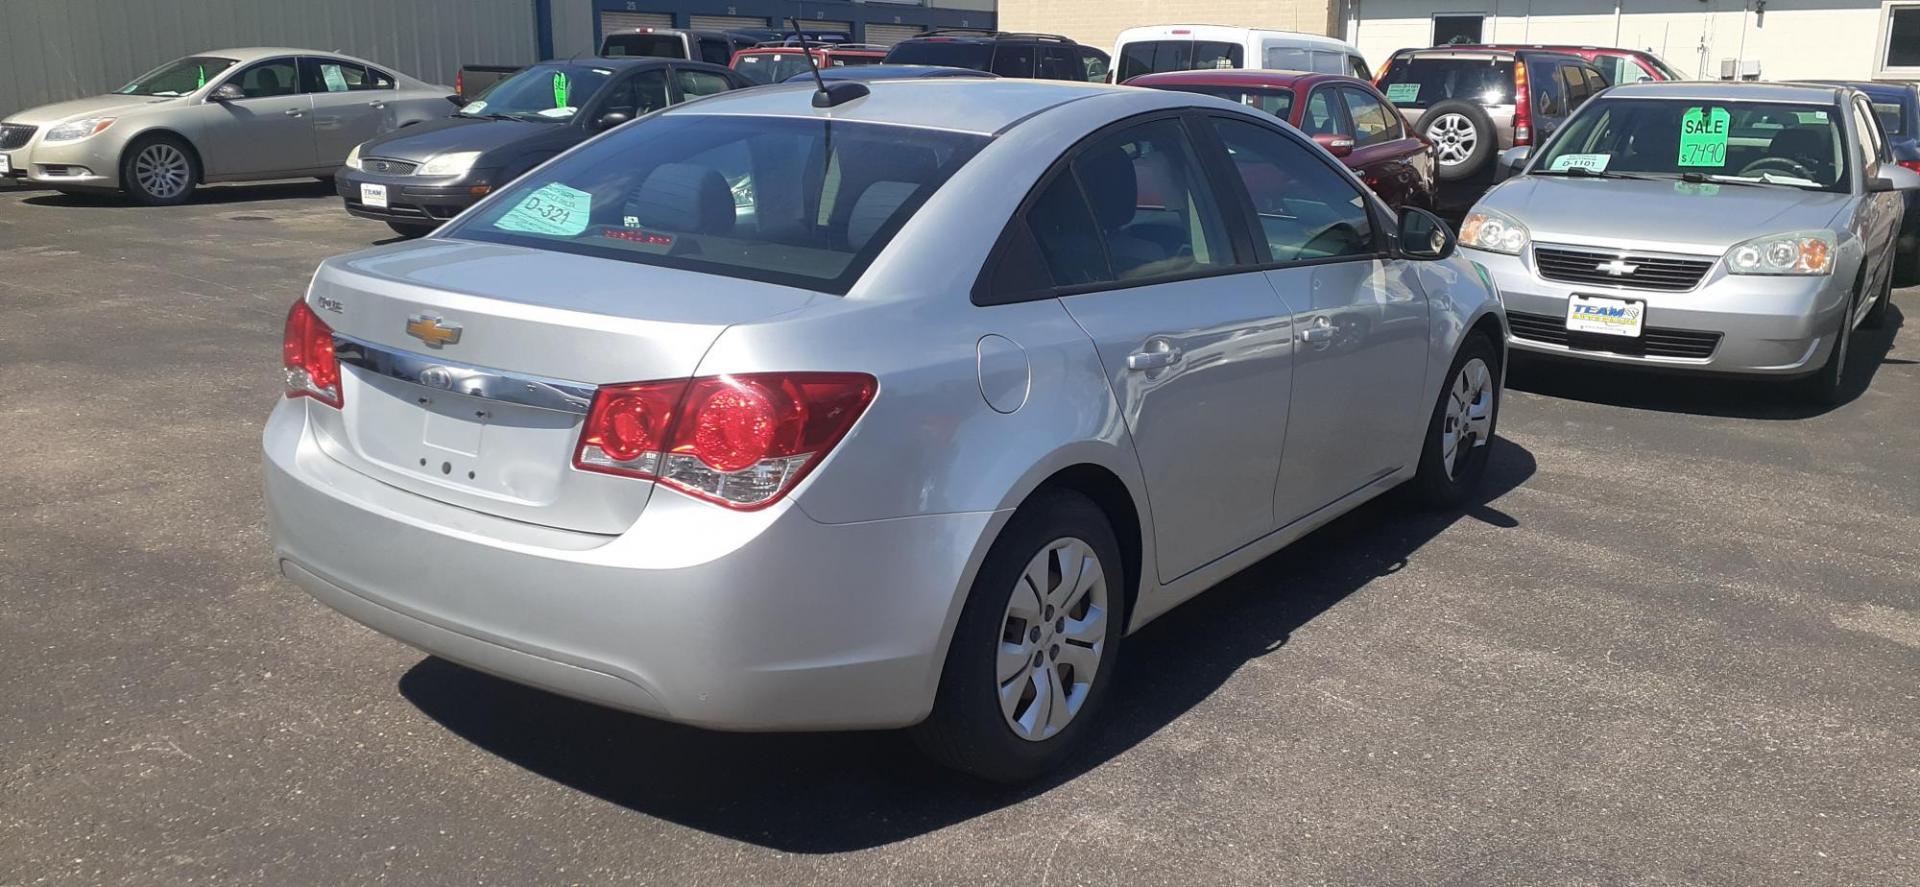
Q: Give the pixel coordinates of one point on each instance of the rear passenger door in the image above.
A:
(1359, 318)
(1196, 346)
(349, 105)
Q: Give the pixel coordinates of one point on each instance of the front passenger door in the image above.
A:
(268, 130)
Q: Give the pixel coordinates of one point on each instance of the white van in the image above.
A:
(1157, 48)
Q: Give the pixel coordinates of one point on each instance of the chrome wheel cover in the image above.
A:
(162, 171)
(1454, 138)
(1468, 422)
(1052, 639)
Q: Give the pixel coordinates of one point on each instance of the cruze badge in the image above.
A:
(433, 331)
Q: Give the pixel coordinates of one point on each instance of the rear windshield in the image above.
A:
(798, 202)
(1788, 145)
(1893, 117)
(1422, 82)
(1155, 56)
(953, 54)
(771, 67)
(666, 46)
(1278, 102)
(542, 92)
(850, 60)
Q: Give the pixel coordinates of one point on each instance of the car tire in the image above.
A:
(1827, 386)
(408, 229)
(1459, 440)
(1463, 136)
(1015, 651)
(159, 170)
(1877, 315)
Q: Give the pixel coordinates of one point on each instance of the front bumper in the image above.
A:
(91, 163)
(412, 199)
(734, 620)
(1739, 324)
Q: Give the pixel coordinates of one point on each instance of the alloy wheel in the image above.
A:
(162, 171)
(1469, 418)
(1052, 638)
(1454, 138)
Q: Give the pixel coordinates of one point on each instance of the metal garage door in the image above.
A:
(725, 22)
(888, 35)
(627, 21)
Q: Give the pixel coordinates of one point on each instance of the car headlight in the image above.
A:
(353, 158)
(450, 164)
(1493, 231)
(75, 130)
(1796, 252)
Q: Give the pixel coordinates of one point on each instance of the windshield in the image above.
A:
(771, 67)
(793, 201)
(952, 54)
(1422, 82)
(666, 46)
(542, 92)
(177, 77)
(1278, 102)
(1769, 143)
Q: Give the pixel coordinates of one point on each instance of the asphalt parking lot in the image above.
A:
(1678, 643)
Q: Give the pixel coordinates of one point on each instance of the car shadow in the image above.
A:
(1725, 397)
(835, 792)
(206, 195)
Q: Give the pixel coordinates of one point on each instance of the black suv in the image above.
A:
(1029, 56)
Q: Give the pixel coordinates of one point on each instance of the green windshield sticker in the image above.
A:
(1403, 92)
(553, 209)
(1703, 137)
(1696, 189)
(203, 76)
(335, 78)
(560, 88)
(1595, 162)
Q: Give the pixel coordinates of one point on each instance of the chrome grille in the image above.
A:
(14, 135)
(1653, 342)
(1635, 271)
(388, 167)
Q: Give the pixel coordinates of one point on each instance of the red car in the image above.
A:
(774, 64)
(1618, 65)
(1345, 115)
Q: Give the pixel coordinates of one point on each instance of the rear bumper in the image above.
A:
(1744, 325)
(748, 621)
(409, 202)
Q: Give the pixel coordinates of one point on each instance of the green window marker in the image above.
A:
(560, 87)
(203, 76)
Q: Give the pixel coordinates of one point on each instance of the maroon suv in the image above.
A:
(1345, 115)
(1617, 65)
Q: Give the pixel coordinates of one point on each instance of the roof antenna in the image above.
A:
(826, 96)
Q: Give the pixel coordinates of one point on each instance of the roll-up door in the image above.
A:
(888, 35)
(627, 21)
(724, 22)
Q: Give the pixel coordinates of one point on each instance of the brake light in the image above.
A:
(459, 83)
(1522, 105)
(740, 441)
(1380, 76)
(1910, 164)
(306, 354)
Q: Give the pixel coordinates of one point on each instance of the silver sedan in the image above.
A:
(895, 405)
(1743, 228)
(227, 115)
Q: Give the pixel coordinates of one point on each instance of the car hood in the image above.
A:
(421, 142)
(103, 105)
(1670, 216)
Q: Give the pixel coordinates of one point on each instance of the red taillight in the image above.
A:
(1522, 105)
(1911, 164)
(459, 83)
(306, 348)
(741, 441)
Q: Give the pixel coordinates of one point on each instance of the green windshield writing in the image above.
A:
(560, 88)
(1703, 137)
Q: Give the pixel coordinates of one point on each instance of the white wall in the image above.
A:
(1798, 38)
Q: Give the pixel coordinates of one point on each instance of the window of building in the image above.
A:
(1454, 29)
(1900, 39)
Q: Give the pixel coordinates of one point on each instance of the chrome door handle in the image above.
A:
(376, 104)
(1158, 355)
(292, 112)
(1319, 332)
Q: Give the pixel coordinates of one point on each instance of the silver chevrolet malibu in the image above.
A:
(893, 405)
(1742, 228)
(222, 116)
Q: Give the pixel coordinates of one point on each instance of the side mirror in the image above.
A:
(1334, 143)
(1511, 162)
(226, 92)
(1894, 178)
(1423, 236)
(610, 120)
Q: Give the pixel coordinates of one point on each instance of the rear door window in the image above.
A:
(1549, 92)
(1014, 59)
(715, 51)
(1288, 58)
(1060, 63)
(977, 55)
(1323, 114)
(1094, 62)
(1424, 81)
(797, 202)
(1373, 123)
(694, 84)
(1893, 117)
(666, 46)
(333, 75)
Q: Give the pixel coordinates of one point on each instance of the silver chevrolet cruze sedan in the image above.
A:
(760, 415)
(1743, 228)
(222, 116)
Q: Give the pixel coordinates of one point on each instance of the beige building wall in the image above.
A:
(1098, 22)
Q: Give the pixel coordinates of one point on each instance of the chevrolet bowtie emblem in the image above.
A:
(1616, 268)
(432, 330)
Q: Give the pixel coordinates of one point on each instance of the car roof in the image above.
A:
(1227, 32)
(255, 53)
(1564, 48)
(895, 72)
(621, 61)
(1465, 49)
(1237, 77)
(1876, 88)
(1728, 90)
(962, 104)
(962, 35)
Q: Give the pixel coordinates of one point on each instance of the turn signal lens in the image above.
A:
(1799, 252)
(741, 441)
(306, 356)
